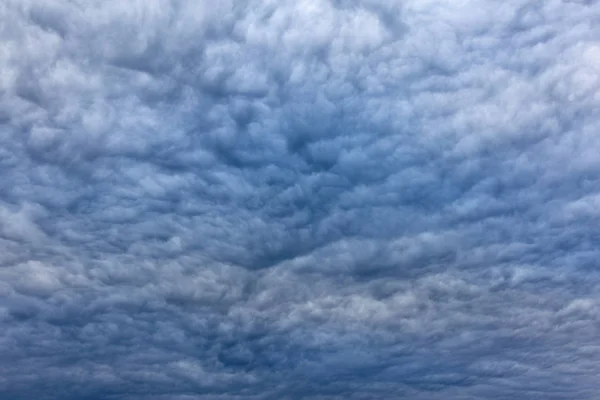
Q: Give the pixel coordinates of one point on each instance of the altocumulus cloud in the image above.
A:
(311, 199)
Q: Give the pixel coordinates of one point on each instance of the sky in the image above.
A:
(308, 199)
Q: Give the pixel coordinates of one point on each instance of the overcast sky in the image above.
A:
(307, 199)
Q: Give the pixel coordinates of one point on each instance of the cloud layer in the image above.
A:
(310, 199)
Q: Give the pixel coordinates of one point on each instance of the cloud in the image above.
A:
(299, 199)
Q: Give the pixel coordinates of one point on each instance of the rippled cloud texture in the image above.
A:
(309, 199)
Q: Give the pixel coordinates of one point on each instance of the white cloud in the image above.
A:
(316, 199)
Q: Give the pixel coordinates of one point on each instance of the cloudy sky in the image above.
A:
(303, 199)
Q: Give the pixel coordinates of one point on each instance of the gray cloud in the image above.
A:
(299, 199)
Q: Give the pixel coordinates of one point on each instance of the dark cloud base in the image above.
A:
(299, 200)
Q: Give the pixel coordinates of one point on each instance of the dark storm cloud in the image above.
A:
(299, 199)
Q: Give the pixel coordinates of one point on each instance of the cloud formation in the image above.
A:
(310, 199)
